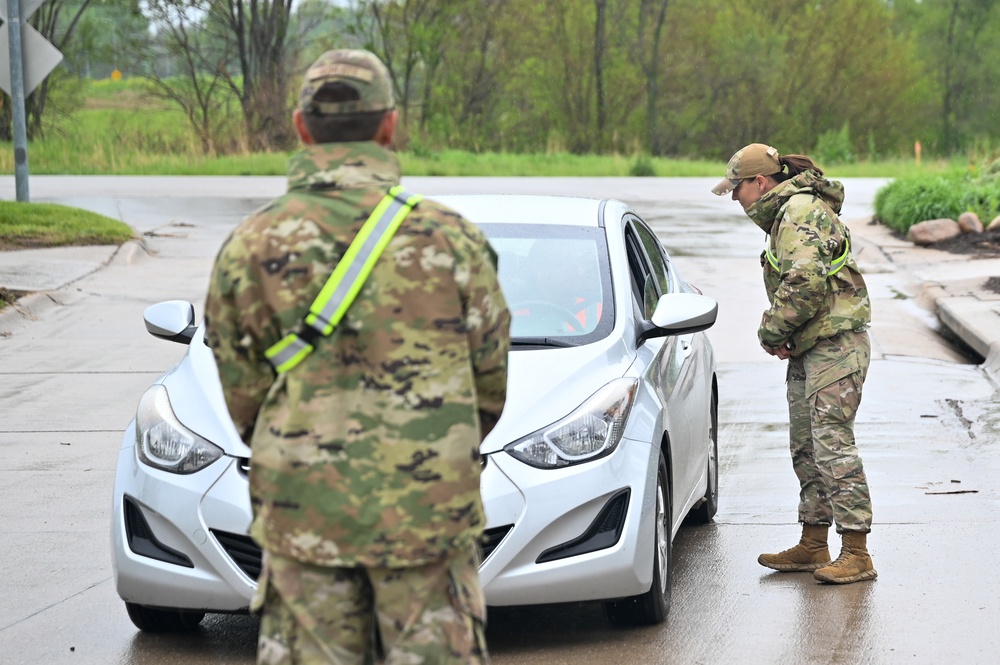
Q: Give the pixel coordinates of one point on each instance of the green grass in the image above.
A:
(130, 150)
(461, 163)
(121, 130)
(33, 225)
(6, 297)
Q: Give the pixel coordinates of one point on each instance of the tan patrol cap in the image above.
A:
(753, 160)
(359, 69)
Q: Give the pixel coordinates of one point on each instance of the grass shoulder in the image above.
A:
(123, 128)
(36, 225)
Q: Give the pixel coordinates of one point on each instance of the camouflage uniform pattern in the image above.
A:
(824, 320)
(807, 303)
(824, 391)
(427, 614)
(362, 70)
(367, 453)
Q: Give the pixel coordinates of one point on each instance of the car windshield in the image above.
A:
(557, 283)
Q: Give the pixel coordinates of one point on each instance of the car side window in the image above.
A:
(644, 282)
(657, 260)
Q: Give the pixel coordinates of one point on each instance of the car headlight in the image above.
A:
(592, 431)
(163, 442)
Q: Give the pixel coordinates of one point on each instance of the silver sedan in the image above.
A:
(608, 440)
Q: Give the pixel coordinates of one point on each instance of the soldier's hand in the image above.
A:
(782, 352)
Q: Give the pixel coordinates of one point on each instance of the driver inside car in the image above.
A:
(565, 295)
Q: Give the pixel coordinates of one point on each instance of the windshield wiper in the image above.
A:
(557, 342)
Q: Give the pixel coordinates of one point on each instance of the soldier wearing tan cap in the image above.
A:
(365, 473)
(817, 320)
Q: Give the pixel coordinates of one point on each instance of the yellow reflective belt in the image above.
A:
(837, 264)
(346, 281)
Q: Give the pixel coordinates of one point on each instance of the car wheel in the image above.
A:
(652, 606)
(153, 620)
(704, 513)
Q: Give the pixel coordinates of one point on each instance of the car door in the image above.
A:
(676, 367)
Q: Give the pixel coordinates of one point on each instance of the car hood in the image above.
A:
(543, 385)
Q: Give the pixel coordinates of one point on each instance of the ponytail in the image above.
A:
(796, 164)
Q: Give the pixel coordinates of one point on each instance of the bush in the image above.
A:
(834, 147)
(642, 167)
(908, 201)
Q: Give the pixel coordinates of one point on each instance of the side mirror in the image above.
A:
(680, 314)
(172, 320)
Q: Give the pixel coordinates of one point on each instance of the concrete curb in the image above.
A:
(56, 293)
(974, 321)
(992, 363)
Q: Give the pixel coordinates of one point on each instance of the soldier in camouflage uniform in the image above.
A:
(818, 321)
(365, 472)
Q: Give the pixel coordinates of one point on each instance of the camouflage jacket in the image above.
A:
(366, 453)
(808, 303)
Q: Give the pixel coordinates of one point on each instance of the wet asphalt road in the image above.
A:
(69, 382)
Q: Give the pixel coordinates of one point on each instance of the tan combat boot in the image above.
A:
(854, 563)
(811, 552)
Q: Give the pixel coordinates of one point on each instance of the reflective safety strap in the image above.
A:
(346, 281)
(837, 264)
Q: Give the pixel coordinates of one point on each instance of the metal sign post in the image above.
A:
(32, 57)
(17, 101)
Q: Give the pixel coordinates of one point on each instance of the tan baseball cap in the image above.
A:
(753, 160)
(359, 69)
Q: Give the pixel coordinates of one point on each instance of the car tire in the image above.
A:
(152, 620)
(651, 607)
(709, 505)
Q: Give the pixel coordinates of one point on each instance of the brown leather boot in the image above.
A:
(811, 553)
(854, 563)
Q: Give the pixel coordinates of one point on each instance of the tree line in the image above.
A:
(838, 79)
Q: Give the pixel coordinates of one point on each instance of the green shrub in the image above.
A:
(908, 201)
(983, 198)
(642, 167)
(834, 146)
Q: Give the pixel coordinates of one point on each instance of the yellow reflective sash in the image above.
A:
(836, 265)
(346, 281)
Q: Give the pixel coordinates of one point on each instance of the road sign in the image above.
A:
(17, 45)
(39, 57)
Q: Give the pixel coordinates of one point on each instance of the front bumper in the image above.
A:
(539, 526)
(196, 555)
(547, 516)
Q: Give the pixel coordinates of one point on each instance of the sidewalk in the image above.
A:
(951, 286)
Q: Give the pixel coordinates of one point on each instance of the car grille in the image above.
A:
(247, 555)
(242, 550)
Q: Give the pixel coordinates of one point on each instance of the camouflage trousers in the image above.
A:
(824, 392)
(426, 615)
